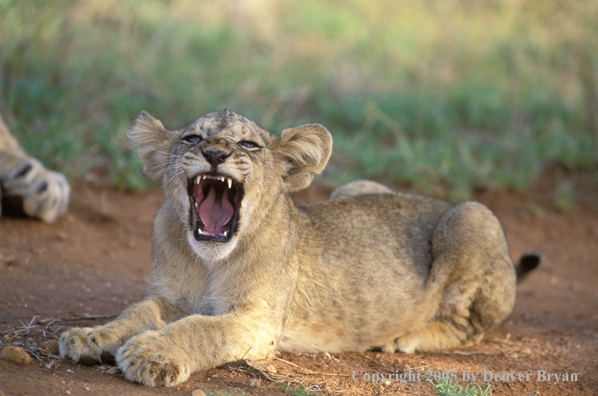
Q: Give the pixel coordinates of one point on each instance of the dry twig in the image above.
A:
(97, 317)
(469, 353)
(309, 372)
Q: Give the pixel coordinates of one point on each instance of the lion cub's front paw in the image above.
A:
(89, 345)
(152, 359)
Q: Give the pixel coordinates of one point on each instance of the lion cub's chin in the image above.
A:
(212, 251)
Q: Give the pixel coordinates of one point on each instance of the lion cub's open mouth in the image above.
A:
(215, 202)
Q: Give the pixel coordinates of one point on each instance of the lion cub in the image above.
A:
(239, 271)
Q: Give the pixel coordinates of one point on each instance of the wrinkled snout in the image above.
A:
(216, 150)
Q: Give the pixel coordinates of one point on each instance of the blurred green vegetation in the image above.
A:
(442, 95)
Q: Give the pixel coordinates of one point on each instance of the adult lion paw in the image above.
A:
(47, 197)
(89, 346)
(152, 359)
(42, 193)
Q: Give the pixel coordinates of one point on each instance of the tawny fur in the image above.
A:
(370, 269)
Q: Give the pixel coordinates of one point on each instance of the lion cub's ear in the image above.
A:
(302, 152)
(154, 143)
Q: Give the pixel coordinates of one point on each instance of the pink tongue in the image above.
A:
(215, 214)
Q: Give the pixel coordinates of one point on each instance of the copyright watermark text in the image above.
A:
(454, 375)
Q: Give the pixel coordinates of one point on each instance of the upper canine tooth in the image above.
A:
(230, 183)
(197, 179)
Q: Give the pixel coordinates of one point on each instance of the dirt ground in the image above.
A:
(91, 264)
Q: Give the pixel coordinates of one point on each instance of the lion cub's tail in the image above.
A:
(527, 263)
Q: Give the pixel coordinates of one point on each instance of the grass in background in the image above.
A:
(440, 95)
(298, 390)
(449, 388)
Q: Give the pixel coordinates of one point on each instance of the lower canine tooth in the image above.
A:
(225, 233)
(199, 231)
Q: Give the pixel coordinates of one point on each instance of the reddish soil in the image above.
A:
(95, 261)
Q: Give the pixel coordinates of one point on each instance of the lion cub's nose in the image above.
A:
(215, 156)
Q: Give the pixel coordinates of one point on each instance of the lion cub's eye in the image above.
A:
(192, 139)
(248, 144)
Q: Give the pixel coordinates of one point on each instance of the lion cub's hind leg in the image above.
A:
(360, 187)
(472, 281)
(436, 335)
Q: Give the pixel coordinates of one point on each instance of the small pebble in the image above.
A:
(526, 351)
(198, 392)
(271, 368)
(8, 338)
(15, 355)
(326, 355)
(254, 382)
(112, 370)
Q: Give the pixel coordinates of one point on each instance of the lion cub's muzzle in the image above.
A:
(216, 150)
(214, 210)
(215, 156)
